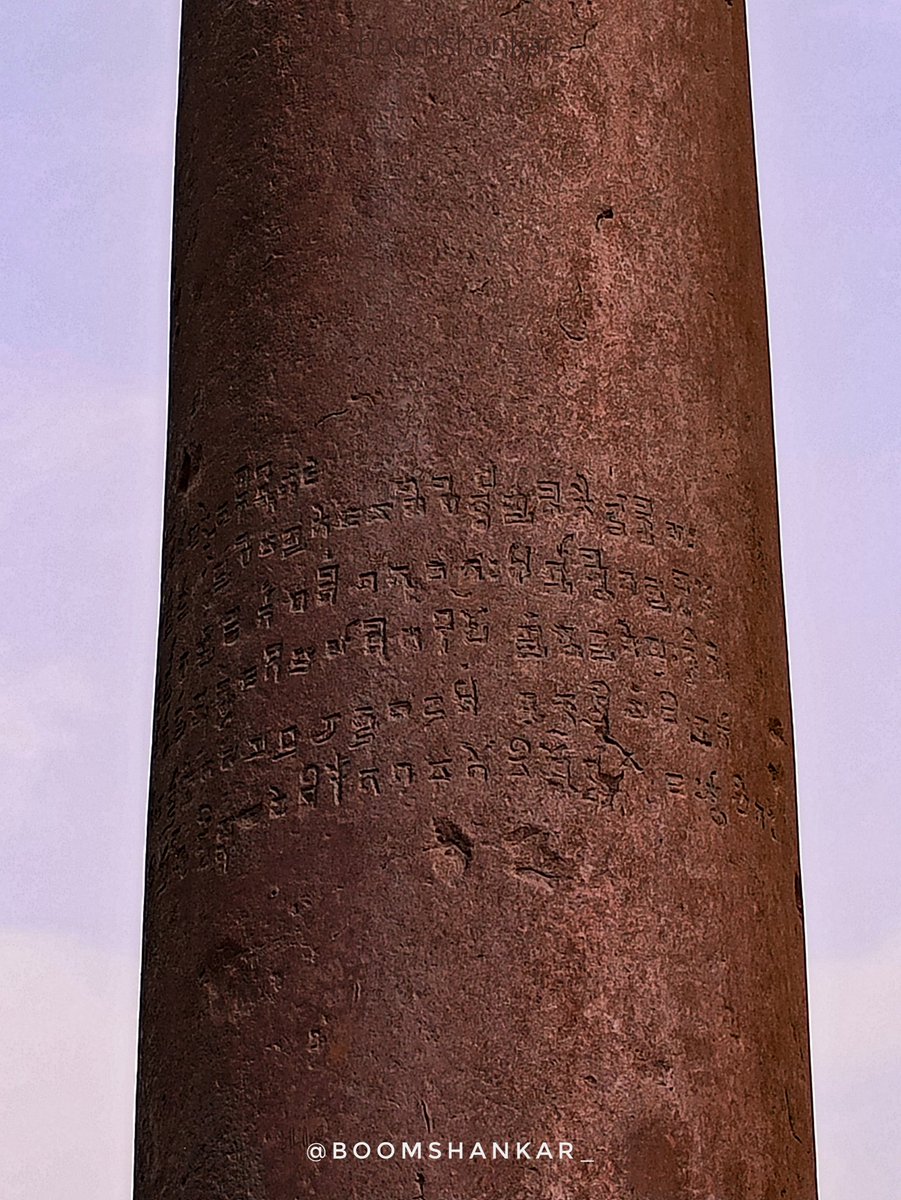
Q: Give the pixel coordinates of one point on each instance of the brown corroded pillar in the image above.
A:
(473, 817)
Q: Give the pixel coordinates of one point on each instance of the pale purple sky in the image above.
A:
(87, 94)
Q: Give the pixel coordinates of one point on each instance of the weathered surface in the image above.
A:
(473, 807)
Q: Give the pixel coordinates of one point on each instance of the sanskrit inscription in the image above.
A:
(572, 618)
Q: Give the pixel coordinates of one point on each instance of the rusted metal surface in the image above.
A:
(473, 812)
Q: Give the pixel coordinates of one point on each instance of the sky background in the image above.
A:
(87, 97)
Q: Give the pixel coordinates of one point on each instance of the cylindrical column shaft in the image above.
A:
(473, 814)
